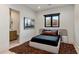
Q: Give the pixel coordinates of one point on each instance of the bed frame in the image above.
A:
(49, 48)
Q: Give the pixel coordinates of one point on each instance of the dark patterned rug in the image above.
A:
(26, 49)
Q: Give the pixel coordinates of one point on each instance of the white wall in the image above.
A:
(77, 25)
(25, 35)
(4, 27)
(66, 19)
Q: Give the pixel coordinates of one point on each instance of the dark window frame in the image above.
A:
(51, 15)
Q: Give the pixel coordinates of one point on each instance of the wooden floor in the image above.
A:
(26, 49)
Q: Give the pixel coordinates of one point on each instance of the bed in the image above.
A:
(47, 42)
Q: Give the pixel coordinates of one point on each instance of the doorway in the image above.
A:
(14, 27)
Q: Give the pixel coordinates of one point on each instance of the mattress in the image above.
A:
(45, 39)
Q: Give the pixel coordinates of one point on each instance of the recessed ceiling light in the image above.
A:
(39, 7)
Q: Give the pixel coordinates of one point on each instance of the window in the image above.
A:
(48, 22)
(52, 20)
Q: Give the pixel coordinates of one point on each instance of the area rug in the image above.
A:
(26, 49)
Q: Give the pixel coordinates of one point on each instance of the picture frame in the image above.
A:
(28, 22)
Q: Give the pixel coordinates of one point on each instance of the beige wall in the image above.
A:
(4, 27)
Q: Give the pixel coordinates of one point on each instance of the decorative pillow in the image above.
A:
(50, 33)
(56, 31)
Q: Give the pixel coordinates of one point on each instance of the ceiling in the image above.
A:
(41, 7)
